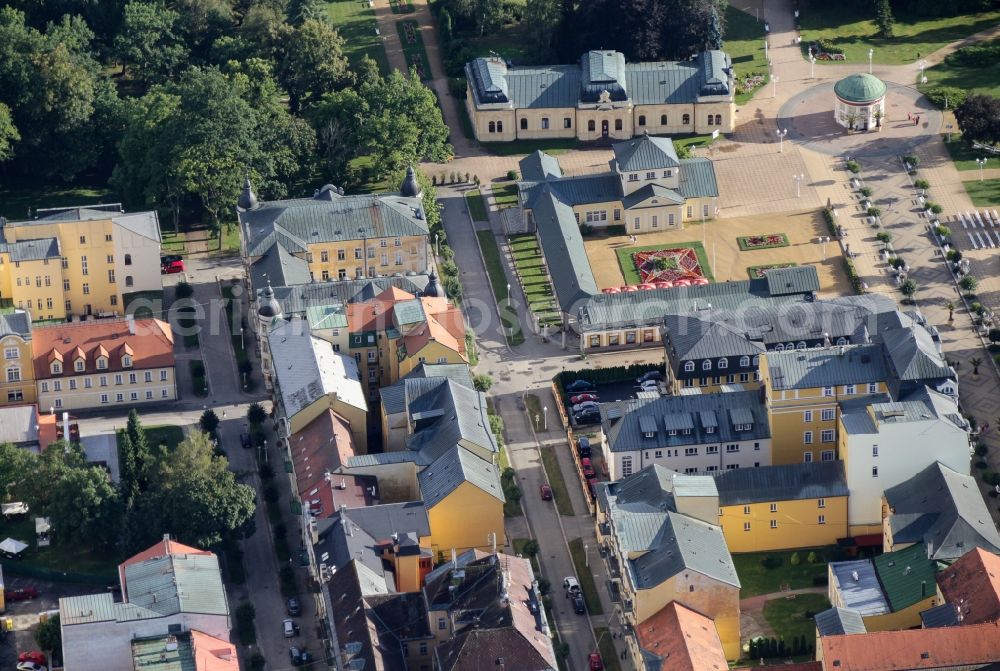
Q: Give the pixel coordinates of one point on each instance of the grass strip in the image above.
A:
(586, 577)
(477, 206)
(560, 493)
(498, 282)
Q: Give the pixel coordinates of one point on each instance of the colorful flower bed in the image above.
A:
(668, 265)
(413, 48)
(768, 241)
(758, 272)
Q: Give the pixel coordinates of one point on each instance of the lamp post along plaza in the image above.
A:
(774, 86)
(782, 132)
(798, 184)
(871, 52)
(981, 162)
(812, 66)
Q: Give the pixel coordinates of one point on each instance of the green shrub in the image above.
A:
(795, 560)
(852, 273)
(512, 175)
(911, 160)
(874, 211)
(183, 290)
(922, 184)
(831, 223)
(854, 166)
(828, 47)
(954, 255)
(271, 493)
(812, 558)
(974, 57)
(946, 97)
(530, 548)
(770, 562)
(866, 191)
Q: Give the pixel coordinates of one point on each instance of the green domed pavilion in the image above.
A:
(860, 101)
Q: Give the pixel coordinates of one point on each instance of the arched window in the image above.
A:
(686, 119)
(524, 124)
(723, 363)
(744, 361)
(493, 126)
(710, 117)
(756, 361)
(801, 345)
(790, 345)
(706, 365)
(663, 119)
(592, 125)
(841, 341)
(128, 259)
(618, 124)
(779, 347)
(642, 119)
(499, 126)
(689, 366)
(129, 281)
(718, 119)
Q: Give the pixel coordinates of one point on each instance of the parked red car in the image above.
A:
(33, 656)
(588, 468)
(546, 492)
(172, 267)
(582, 398)
(20, 594)
(596, 664)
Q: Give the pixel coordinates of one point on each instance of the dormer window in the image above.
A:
(102, 362)
(79, 365)
(723, 363)
(651, 175)
(633, 177)
(668, 173)
(756, 361)
(648, 434)
(744, 361)
(709, 429)
(689, 366)
(706, 365)
(56, 367)
(127, 361)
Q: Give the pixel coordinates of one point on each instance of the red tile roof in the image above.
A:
(213, 654)
(151, 345)
(444, 324)
(912, 649)
(801, 666)
(323, 446)
(683, 639)
(972, 584)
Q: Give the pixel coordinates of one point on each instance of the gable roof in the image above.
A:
(791, 482)
(857, 586)
(176, 583)
(16, 322)
(944, 511)
(835, 621)
(972, 586)
(565, 255)
(826, 366)
(912, 649)
(350, 619)
(454, 468)
(151, 345)
(279, 267)
(645, 153)
(539, 166)
(295, 300)
(317, 450)
(907, 576)
(446, 413)
(677, 638)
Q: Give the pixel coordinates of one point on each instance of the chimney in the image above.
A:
(131, 325)
(66, 426)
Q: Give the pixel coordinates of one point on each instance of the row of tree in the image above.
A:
(188, 492)
(177, 100)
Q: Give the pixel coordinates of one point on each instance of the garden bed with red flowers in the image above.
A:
(668, 265)
(769, 241)
(758, 272)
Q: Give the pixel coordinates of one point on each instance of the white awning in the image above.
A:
(13, 547)
(18, 508)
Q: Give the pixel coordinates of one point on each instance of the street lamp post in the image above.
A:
(823, 240)
(243, 344)
(812, 66)
(782, 132)
(765, 48)
(871, 52)
(981, 162)
(545, 417)
(774, 86)
(437, 247)
(798, 184)
(508, 293)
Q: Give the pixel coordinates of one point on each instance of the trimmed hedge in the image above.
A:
(852, 274)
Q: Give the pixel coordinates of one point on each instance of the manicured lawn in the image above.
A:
(756, 578)
(362, 165)
(498, 282)
(477, 206)
(230, 243)
(744, 42)
(505, 195)
(749, 243)
(58, 558)
(534, 279)
(413, 47)
(550, 461)
(963, 155)
(757, 272)
(172, 243)
(511, 41)
(355, 21)
(167, 434)
(585, 576)
(631, 273)
(144, 304)
(791, 618)
(985, 193)
(851, 28)
(607, 649)
(978, 80)
(555, 146)
(17, 195)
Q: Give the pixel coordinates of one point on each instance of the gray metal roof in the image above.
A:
(699, 336)
(146, 224)
(913, 355)
(409, 312)
(489, 78)
(92, 212)
(91, 608)
(858, 585)
(865, 415)
(279, 267)
(698, 179)
(446, 413)
(539, 166)
(297, 223)
(31, 250)
(177, 583)
(715, 70)
(944, 510)
(944, 615)
(573, 190)
(19, 424)
(394, 396)
(565, 256)
(794, 280)
(627, 435)
(652, 193)
(294, 300)
(827, 367)
(454, 467)
(837, 621)
(17, 323)
(792, 482)
(645, 153)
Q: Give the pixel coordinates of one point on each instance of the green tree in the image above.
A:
(302, 10)
(541, 18)
(312, 62)
(979, 118)
(968, 284)
(128, 470)
(951, 310)
(795, 560)
(8, 134)
(49, 638)
(193, 496)
(256, 414)
(482, 382)
(883, 18)
(884, 237)
(149, 42)
(209, 421)
(908, 288)
(976, 363)
(16, 467)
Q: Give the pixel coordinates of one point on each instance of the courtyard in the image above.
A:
(725, 260)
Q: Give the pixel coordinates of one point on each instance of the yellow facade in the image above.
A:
(36, 286)
(359, 258)
(908, 618)
(432, 352)
(466, 518)
(784, 525)
(17, 382)
(804, 421)
(118, 388)
(354, 416)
